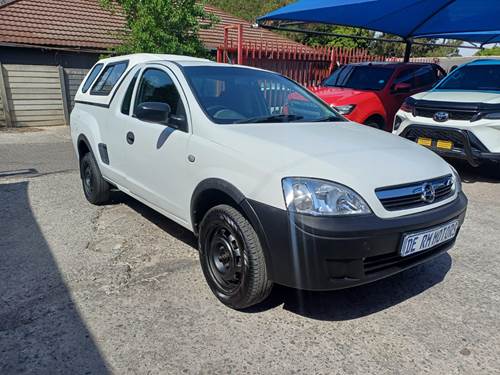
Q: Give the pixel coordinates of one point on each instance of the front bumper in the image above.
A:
(325, 253)
(466, 145)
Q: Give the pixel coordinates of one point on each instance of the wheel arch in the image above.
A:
(209, 192)
(378, 118)
(83, 146)
(214, 191)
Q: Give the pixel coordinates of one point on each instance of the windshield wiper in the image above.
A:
(271, 118)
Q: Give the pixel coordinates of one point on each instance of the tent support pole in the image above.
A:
(407, 51)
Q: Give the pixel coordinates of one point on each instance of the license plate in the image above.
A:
(424, 141)
(447, 145)
(416, 242)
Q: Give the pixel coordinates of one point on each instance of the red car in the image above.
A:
(372, 93)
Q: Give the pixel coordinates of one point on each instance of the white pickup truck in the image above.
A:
(278, 187)
(460, 117)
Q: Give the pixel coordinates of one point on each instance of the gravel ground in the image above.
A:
(118, 289)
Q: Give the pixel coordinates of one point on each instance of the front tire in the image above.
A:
(95, 188)
(232, 258)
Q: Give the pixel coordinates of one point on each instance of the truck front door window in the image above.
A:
(157, 86)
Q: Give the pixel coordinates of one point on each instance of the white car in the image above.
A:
(278, 187)
(460, 116)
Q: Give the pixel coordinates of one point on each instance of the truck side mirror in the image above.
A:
(177, 122)
(401, 87)
(153, 112)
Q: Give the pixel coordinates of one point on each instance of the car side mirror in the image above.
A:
(401, 87)
(153, 112)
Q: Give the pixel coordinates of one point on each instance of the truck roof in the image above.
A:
(139, 58)
(130, 61)
(391, 64)
(484, 62)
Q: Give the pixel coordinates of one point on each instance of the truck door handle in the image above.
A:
(130, 138)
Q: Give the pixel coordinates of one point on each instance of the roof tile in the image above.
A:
(84, 24)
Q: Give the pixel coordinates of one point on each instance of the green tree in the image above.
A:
(432, 49)
(162, 26)
(334, 41)
(494, 51)
(248, 9)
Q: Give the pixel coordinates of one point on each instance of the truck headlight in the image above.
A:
(322, 198)
(487, 116)
(408, 105)
(344, 109)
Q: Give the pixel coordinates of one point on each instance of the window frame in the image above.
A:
(103, 70)
(410, 70)
(449, 76)
(178, 86)
(100, 67)
(133, 83)
(194, 93)
(350, 69)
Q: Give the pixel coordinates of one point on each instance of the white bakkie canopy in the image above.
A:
(130, 61)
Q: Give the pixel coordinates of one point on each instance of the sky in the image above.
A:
(466, 52)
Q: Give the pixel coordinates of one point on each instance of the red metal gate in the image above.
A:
(306, 65)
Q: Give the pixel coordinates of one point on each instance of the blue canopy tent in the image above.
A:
(474, 21)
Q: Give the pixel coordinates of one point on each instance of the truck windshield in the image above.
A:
(360, 77)
(233, 95)
(473, 77)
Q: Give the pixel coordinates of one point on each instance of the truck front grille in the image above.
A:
(385, 262)
(412, 195)
(452, 113)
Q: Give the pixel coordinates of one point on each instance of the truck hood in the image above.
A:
(460, 96)
(340, 96)
(357, 156)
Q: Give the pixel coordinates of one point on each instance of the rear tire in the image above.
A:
(95, 188)
(232, 258)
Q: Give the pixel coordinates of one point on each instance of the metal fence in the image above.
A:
(306, 65)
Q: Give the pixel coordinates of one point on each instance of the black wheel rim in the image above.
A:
(225, 257)
(88, 179)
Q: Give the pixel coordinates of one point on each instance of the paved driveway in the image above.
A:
(118, 289)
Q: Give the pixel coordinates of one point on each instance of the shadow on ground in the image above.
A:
(41, 331)
(486, 172)
(336, 305)
(172, 228)
(359, 301)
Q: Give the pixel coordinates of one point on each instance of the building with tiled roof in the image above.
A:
(75, 24)
(84, 26)
(47, 47)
